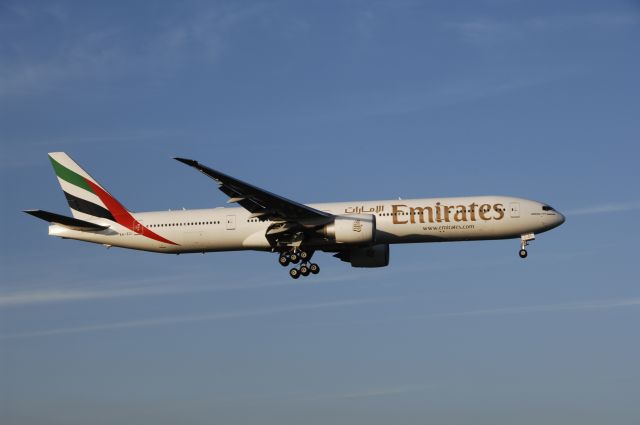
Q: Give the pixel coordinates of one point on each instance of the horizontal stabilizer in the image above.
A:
(69, 222)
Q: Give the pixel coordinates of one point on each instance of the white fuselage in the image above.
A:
(397, 221)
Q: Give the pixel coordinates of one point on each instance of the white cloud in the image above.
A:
(195, 318)
(479, 30)
(375, 392)
(61, 292)
(397, 102)
(112, 52)
(602, 20)
(592, 305)
(95, 54)
(586, 305)
(14, 294)
(22, 298)
(491, 30)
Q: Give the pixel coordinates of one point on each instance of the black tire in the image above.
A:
(523, 253)
(304, 255)
(294, 258)
(304, 270)
(294, 273)
(314, 268)
(283, 260)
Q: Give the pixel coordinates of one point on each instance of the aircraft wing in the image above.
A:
(259, 202)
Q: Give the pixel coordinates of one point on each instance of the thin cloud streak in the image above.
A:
(482, 30)
(385, 103)
(592, 305)
(24, 298)
(21, 298)
(605, 208)
(372, 392)
(15, 295)
(589, 305)
(134, 288)
(196, 318)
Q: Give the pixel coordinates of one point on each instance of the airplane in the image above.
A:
(358, 233)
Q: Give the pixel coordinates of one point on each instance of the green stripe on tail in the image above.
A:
(67, 175)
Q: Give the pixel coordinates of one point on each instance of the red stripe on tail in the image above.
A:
(123, 217)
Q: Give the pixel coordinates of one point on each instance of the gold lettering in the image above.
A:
(472, 207)
(396, 211)
(412, 214)
(447, 211)
(420, 212)
(484, 208)
(461, 213)
(438, 213)
(499, 208)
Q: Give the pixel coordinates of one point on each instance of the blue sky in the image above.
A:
(323, 101)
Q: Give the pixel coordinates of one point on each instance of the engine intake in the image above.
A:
(352, 229)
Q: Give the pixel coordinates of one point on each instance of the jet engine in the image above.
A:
(352, 229)
(371, 256)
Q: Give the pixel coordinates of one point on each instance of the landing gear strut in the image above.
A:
(299, 256)
(524, 241)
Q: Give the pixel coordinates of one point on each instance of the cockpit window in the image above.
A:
(547, 208)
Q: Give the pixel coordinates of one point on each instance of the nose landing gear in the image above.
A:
(524, 241)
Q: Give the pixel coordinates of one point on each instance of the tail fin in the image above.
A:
(87, 199)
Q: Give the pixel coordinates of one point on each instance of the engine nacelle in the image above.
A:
(372, 256)
(352, 229)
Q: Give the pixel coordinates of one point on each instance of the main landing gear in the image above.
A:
(299, 256)
(524, 241)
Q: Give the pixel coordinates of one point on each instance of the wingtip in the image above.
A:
(186, 161)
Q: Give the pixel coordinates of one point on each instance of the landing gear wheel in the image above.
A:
(294, 257)
(304, 270)
(294, 273)
(523, 253)
(314, 268)
(304, 255)
(284, 260)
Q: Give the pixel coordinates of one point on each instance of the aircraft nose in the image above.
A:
(561, 218)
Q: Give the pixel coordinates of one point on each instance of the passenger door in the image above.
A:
(231, 222)
(515, 209)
